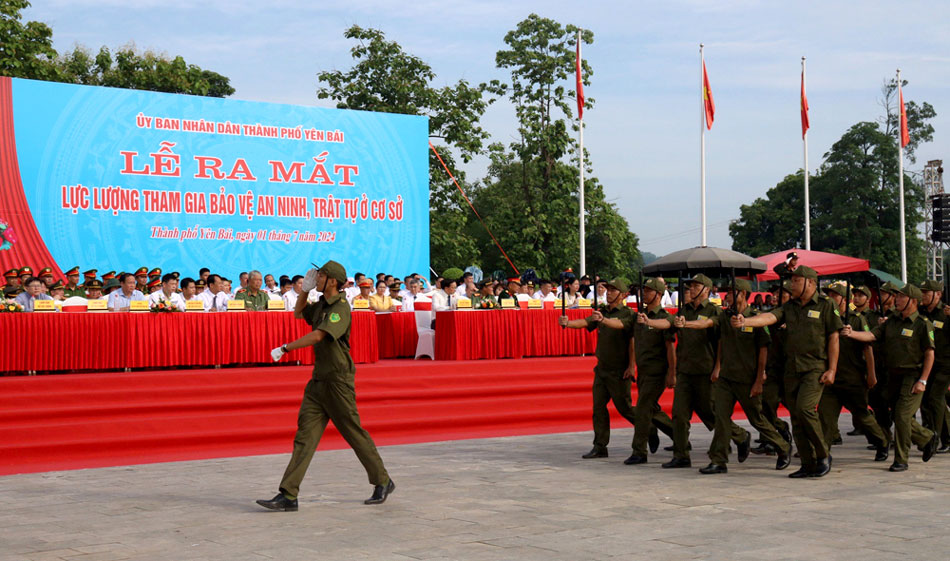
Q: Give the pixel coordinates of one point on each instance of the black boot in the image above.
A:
(279, 502)
(380, 492)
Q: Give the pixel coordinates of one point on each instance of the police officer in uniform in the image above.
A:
(773, 391)
(696, 352)
(933, 409)
(655, 356)
(330, 395)
(72, 284)
(812, 347)
(739, 374)
(908, 341)
(615, 368)
(856, 374)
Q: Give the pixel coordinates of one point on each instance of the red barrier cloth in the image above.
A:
(396, 333)
(104, 341)
(491, 334)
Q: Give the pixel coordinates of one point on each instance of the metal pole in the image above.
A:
(805, 148)
(900, 183)
(702, 142)
(581, 143)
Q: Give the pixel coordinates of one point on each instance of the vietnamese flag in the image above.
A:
(580, 83)
(708, 103)
(905, 134)
(804, 107)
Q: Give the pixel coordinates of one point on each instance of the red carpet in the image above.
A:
(94, 420)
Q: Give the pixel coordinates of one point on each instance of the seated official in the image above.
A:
(366, 290)
(189, 289)
(484, 297)
(413, 290)
(93, 290)
(570, 295)
(58, 291)
(34, 292)
(270, 285)
(255, 299)
(547, 289)
(168, 293)
(216, 297)
(121, 299)
(445, 299)
(294, 290)
(381, 302)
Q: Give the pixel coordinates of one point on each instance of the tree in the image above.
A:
(530, 196)
(773, 223)
(140, 71)
(26, 50)
(387, 79)
(918, 128)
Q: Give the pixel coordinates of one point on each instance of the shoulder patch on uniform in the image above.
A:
(931, 333)
(334, 317)
(837, 312)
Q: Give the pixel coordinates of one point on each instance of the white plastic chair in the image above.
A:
(426, 344)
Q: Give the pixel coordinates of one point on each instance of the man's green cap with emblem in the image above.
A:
(620, 284)
(889, 287)
(839, 288)
(334, 270)
(111, 283)
(911, 291)
(787, 286)
(743, 285)
(93, 283)
(655, 284)
(862, 289)
(700, 279)
(807, 272)
(932, 285)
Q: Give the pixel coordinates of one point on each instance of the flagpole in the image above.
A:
(702, 143)
(805, 149)
(900, 181)
(580, 135)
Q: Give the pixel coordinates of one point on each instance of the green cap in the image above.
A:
(654, 283)
(911, 291)
(620, 284)
(932, 285)
(889, 287)
(839, 288)
(700, 279)
(862, 289)
(742, 285)
(111, 283)
(807, 272)
(787, 286)
(334, 270)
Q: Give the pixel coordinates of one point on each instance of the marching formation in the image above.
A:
(818, 350)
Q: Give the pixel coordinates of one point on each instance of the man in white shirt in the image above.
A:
(120, 300)
(290, 297)
(413, 289)
(169, 292)
(270, 286)
(467, 288)
(445, 299)
(215, 298)
(189, 289)
(547, 289)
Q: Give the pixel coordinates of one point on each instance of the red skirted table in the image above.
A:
(397, 334)
(490, 334)
(103, 341)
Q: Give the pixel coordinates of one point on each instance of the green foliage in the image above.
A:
(26, 50)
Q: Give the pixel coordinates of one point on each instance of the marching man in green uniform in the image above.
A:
(655, 356)
(908, 341)
(856, 375)
(615, 368)
(811, 345)
(933, 409)
(330, 395)
(773, 391)
(739, 375)
(696, 353)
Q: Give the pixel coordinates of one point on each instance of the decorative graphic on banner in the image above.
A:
(117, 179)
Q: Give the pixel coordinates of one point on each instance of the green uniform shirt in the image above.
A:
(651, 344)
(740, 349)
(905, 340)
(613, 345)
(807, 329)
(332, 360)
(941, 325)
(255, 303)
(852, 367)
(696, 348)
(78, 291)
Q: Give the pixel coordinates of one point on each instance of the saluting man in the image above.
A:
(812, 324)
(330, 395)
(908, 341)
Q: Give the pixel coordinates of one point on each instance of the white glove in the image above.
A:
(310, 281)
(277, 353)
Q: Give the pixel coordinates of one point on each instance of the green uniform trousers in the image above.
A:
(725, 394)
(802, 394)
(693, 394)
(323, 402)
(933, 408)
(855, 399)
(772, 395)
(613, 387)
(649, 391)
(905, 405)
(880, 402)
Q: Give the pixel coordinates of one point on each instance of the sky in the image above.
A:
(643, 133)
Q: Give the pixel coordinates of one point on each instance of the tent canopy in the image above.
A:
(824, 263)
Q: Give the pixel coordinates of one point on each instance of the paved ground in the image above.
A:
(521, 498)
